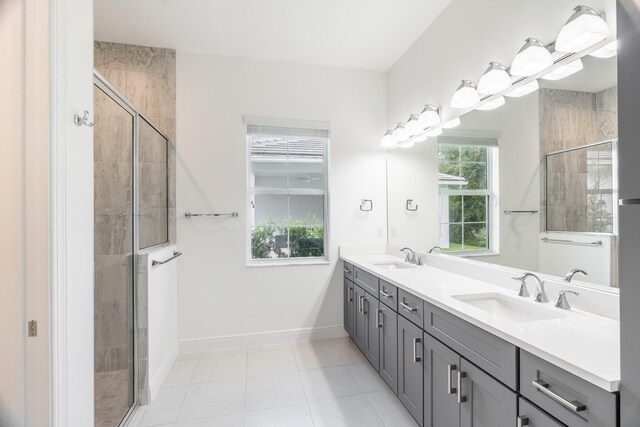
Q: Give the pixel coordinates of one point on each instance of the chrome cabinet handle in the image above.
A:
(380, 318)
(350, 294)
(408, 307)
(461, 398)
(386, 295)
(522, 421)
(416, 358)
(450, 369)
(364, 299)
(346, 270)
(360, 305)
(573, 405)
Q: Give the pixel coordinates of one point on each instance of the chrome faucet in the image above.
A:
(572, 273)
(562, 302)
(411, 257)
(541, 295)
(523, 292)
(438, 248)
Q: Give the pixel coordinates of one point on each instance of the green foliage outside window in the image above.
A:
(288, 239)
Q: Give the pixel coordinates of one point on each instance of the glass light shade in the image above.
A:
(406, 144)
(413, 125)
(452, 123)
(400, 133)
(532, 58)
(564, 70)
(388, 139)
(434, 132)
(492, 105)
(607, 51)
(523, 90)
(466, 95)
(429, 116)
(583, 29)
(495, 79)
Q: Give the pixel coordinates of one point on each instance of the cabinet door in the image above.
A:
(484, 401)
(349, 306)
(359, 325)
(531, 416)
(441, 407)
(371, 335)
(388, 324)
(410, 368)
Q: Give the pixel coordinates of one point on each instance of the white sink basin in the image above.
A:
(509, 308)
(393, 265)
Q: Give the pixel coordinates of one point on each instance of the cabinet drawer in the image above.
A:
(348, 271)
(496, 356)
(531, 416)
(367, 281)
(411, 307)
(389, 295)
(570, 399)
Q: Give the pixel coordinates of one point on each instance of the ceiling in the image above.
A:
(358, 34)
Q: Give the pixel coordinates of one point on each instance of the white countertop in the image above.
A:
(582, 343)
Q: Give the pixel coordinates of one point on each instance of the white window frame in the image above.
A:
(489, 140)
(252, 191)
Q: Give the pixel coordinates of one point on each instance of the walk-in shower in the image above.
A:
(130, 214)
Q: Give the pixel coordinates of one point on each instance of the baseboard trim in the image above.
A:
(196, 345)
(158, 378)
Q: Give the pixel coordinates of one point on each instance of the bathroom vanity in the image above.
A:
(461, 352)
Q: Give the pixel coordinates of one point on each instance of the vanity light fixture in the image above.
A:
(466, 95)
(452, 123)
(492, 105)
(523, 90)
(532, 58)
(413, 125)
(407, 144)
(388, 140)
(429, 116)
(583, 29)
(607, 51)
(564, 70)
(495, 79)
(400, 133)
(434, 132)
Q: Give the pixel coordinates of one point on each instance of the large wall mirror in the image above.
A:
(530, 185)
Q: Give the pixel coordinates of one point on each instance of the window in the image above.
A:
(467, 185)
(287, 191)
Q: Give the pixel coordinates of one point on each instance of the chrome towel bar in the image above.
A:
(519, 212)
(191, 215)
(572, 242)
(155, 263)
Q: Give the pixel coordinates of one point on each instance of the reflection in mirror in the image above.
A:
(530, 185)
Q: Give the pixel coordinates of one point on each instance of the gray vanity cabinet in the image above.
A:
(388, 325)
(349, 306)
(483, 400)
(371, 349)
(410, 368)
(441, 407)
(531, 416)
(359, 321)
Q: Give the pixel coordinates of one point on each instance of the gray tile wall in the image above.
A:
(571, 119)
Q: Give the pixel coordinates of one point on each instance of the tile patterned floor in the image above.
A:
(299, 384)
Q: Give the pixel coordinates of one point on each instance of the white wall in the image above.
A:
(218, 294)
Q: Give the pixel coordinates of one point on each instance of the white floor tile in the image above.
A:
(213, 399)
(327, 383)
(311, 343)
(350, 352)
(270, 362)
(317, 356)
(271, 391)
(269, 347)
(367, 377)
(233, 420)
(181, 373)
(286, 416)
(165, 407)
(390, 410)
(221, 365)
(349, 411)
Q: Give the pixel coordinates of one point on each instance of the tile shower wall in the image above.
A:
(147, 77)
(570, 119)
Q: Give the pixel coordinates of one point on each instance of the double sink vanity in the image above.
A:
(458, 351)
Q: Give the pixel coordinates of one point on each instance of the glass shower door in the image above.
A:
(113, 260)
